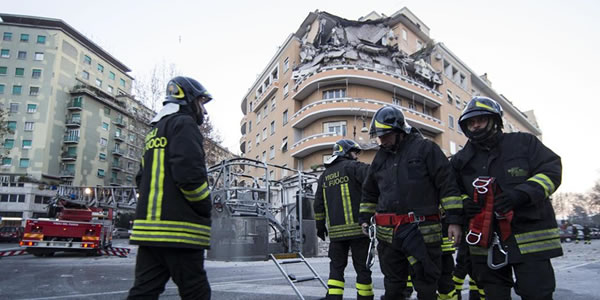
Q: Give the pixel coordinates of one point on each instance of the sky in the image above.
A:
(541, 55)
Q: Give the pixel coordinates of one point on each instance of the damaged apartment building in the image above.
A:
(329, 78)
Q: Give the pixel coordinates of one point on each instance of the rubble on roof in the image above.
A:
(369, 43)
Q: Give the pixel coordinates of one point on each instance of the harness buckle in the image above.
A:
(490, 259)
(412, 218)
(477, 235)
(481, 184)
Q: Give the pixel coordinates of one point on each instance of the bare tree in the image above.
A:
(151, 89)
(3, 131)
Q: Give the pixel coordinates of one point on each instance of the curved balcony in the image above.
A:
(243, 146)
(356, 75)
(314, 143)
(271, 89)
(243, 128)
(359, 107)
(73, 122)
(66, 156)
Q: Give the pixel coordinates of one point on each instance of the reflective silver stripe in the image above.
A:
(429, 229)
(480, 251)
(411, 260)
(170, 237)
(540, 246)
(432, 238)
(319, 216)
(385, 233)
(346, 203)
(367, 207)
(171, 226)
(345, 233)
(537, 235)
(452, 202)
(545, 182)
(200, 193)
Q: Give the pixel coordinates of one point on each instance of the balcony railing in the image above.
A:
(119, 122)
(116, 181)
(67, 173)
(74, 105)
(73, 122)
(117, 166)
(118, 152)
(71, 139)
(69, 156)
(119, 137)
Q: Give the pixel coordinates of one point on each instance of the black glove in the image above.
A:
(471, 208)
(321, 230)
(508, 200)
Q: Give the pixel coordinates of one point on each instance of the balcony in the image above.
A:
(74, 105)
(243, 147)
(73, 122)
(271, 89)
(118, 152)
(71, 139)
(356, 75)
(116, 181)
(66, 156)
(119, 137)
(119, 122)
(360, 107)
(117, 166)
(67, 173)
(314, 143)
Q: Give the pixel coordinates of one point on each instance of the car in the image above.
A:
(11, 234)
(566, 234)
(595, 233)
(119, 233)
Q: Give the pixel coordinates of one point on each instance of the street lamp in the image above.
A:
(364, 128)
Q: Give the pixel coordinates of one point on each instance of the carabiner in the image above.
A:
(372, 243)
(490, 258)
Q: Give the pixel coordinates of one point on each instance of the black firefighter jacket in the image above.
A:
(337, 199)
(518, 161)
(173, 208)
(416, 178)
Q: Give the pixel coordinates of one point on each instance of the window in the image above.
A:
(458, 102)
(41, 39)
(285, 117)
(257, 139)
(264, 134)
(404, 35)
(272, 152)
(87, 60)
(250, 126)
(249, 146)
(284, 144)
(273, 104)
(85, 75)
(450, 97)
(339, 128)
(7, 36)
(11, 125)
(24, 163)
(285, 90)
(102, 157)
(29, 126)
(122, 82)
(104, 125)
(450, 122)
(272, 127)
(39, 56)
(9, 143)
(31, 108)
(110, 89)
(17, 89)
(1, 88)
(286, 64)
(111, 75)
(36, 73)
(6, 161)
(419, 45)
(13, 108)
(19, 72)
(411, 105)
(334, 94)
(34, 90)
(275, 74)
(22, 55)
(100, 68)
(24, 37)
(452, 147)
(5, 53)
(100, 173)
(26, 144)
(258, 116)
(264, 156)
(271, 174)
(265, 111)
(103, 142)
(98, 83)
(3, 70)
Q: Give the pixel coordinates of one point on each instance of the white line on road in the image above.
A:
(579, 265)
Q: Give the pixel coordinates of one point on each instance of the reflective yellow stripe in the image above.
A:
(449, 296)
(411, 260)
(367, 207)
(385, 233)
(537, 235)
(156, 185)
(464, 196)
(479, 104)
(335, 291)
(545, 182)
(326, 208)
(198, 194)
(452, 202)
(365, 293)
(336, 283)
(475, 250)
(319, 216)
(540, 246)
(362, 286)
(170, 237)
(458, 280)
(346, 203)
(380, 125)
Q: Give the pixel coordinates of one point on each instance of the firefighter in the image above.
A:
(576, 234)
(527, 173)
(587, 238)
(336, 203)
(172, 221)
(463, 268)
(445, 287)
(405, 184)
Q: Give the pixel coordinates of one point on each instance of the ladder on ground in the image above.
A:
(295, 258)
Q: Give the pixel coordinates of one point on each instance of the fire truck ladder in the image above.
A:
(295, 258)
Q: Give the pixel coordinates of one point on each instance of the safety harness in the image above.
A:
(481, 225)
(397, 220)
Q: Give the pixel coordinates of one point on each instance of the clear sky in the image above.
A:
(542, 55)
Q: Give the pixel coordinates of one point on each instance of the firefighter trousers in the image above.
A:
(338, 254)
(396, 268)
(463, 268)
(445, 284)
(155, 265)
(534, 280)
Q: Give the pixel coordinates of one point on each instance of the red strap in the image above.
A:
(396, 220)
(480, 226)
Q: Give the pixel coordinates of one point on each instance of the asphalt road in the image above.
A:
(72, 276)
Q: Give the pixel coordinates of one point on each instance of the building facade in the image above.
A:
(71, 115)
(329, 78)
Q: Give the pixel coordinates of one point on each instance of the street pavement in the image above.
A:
(73, 276)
